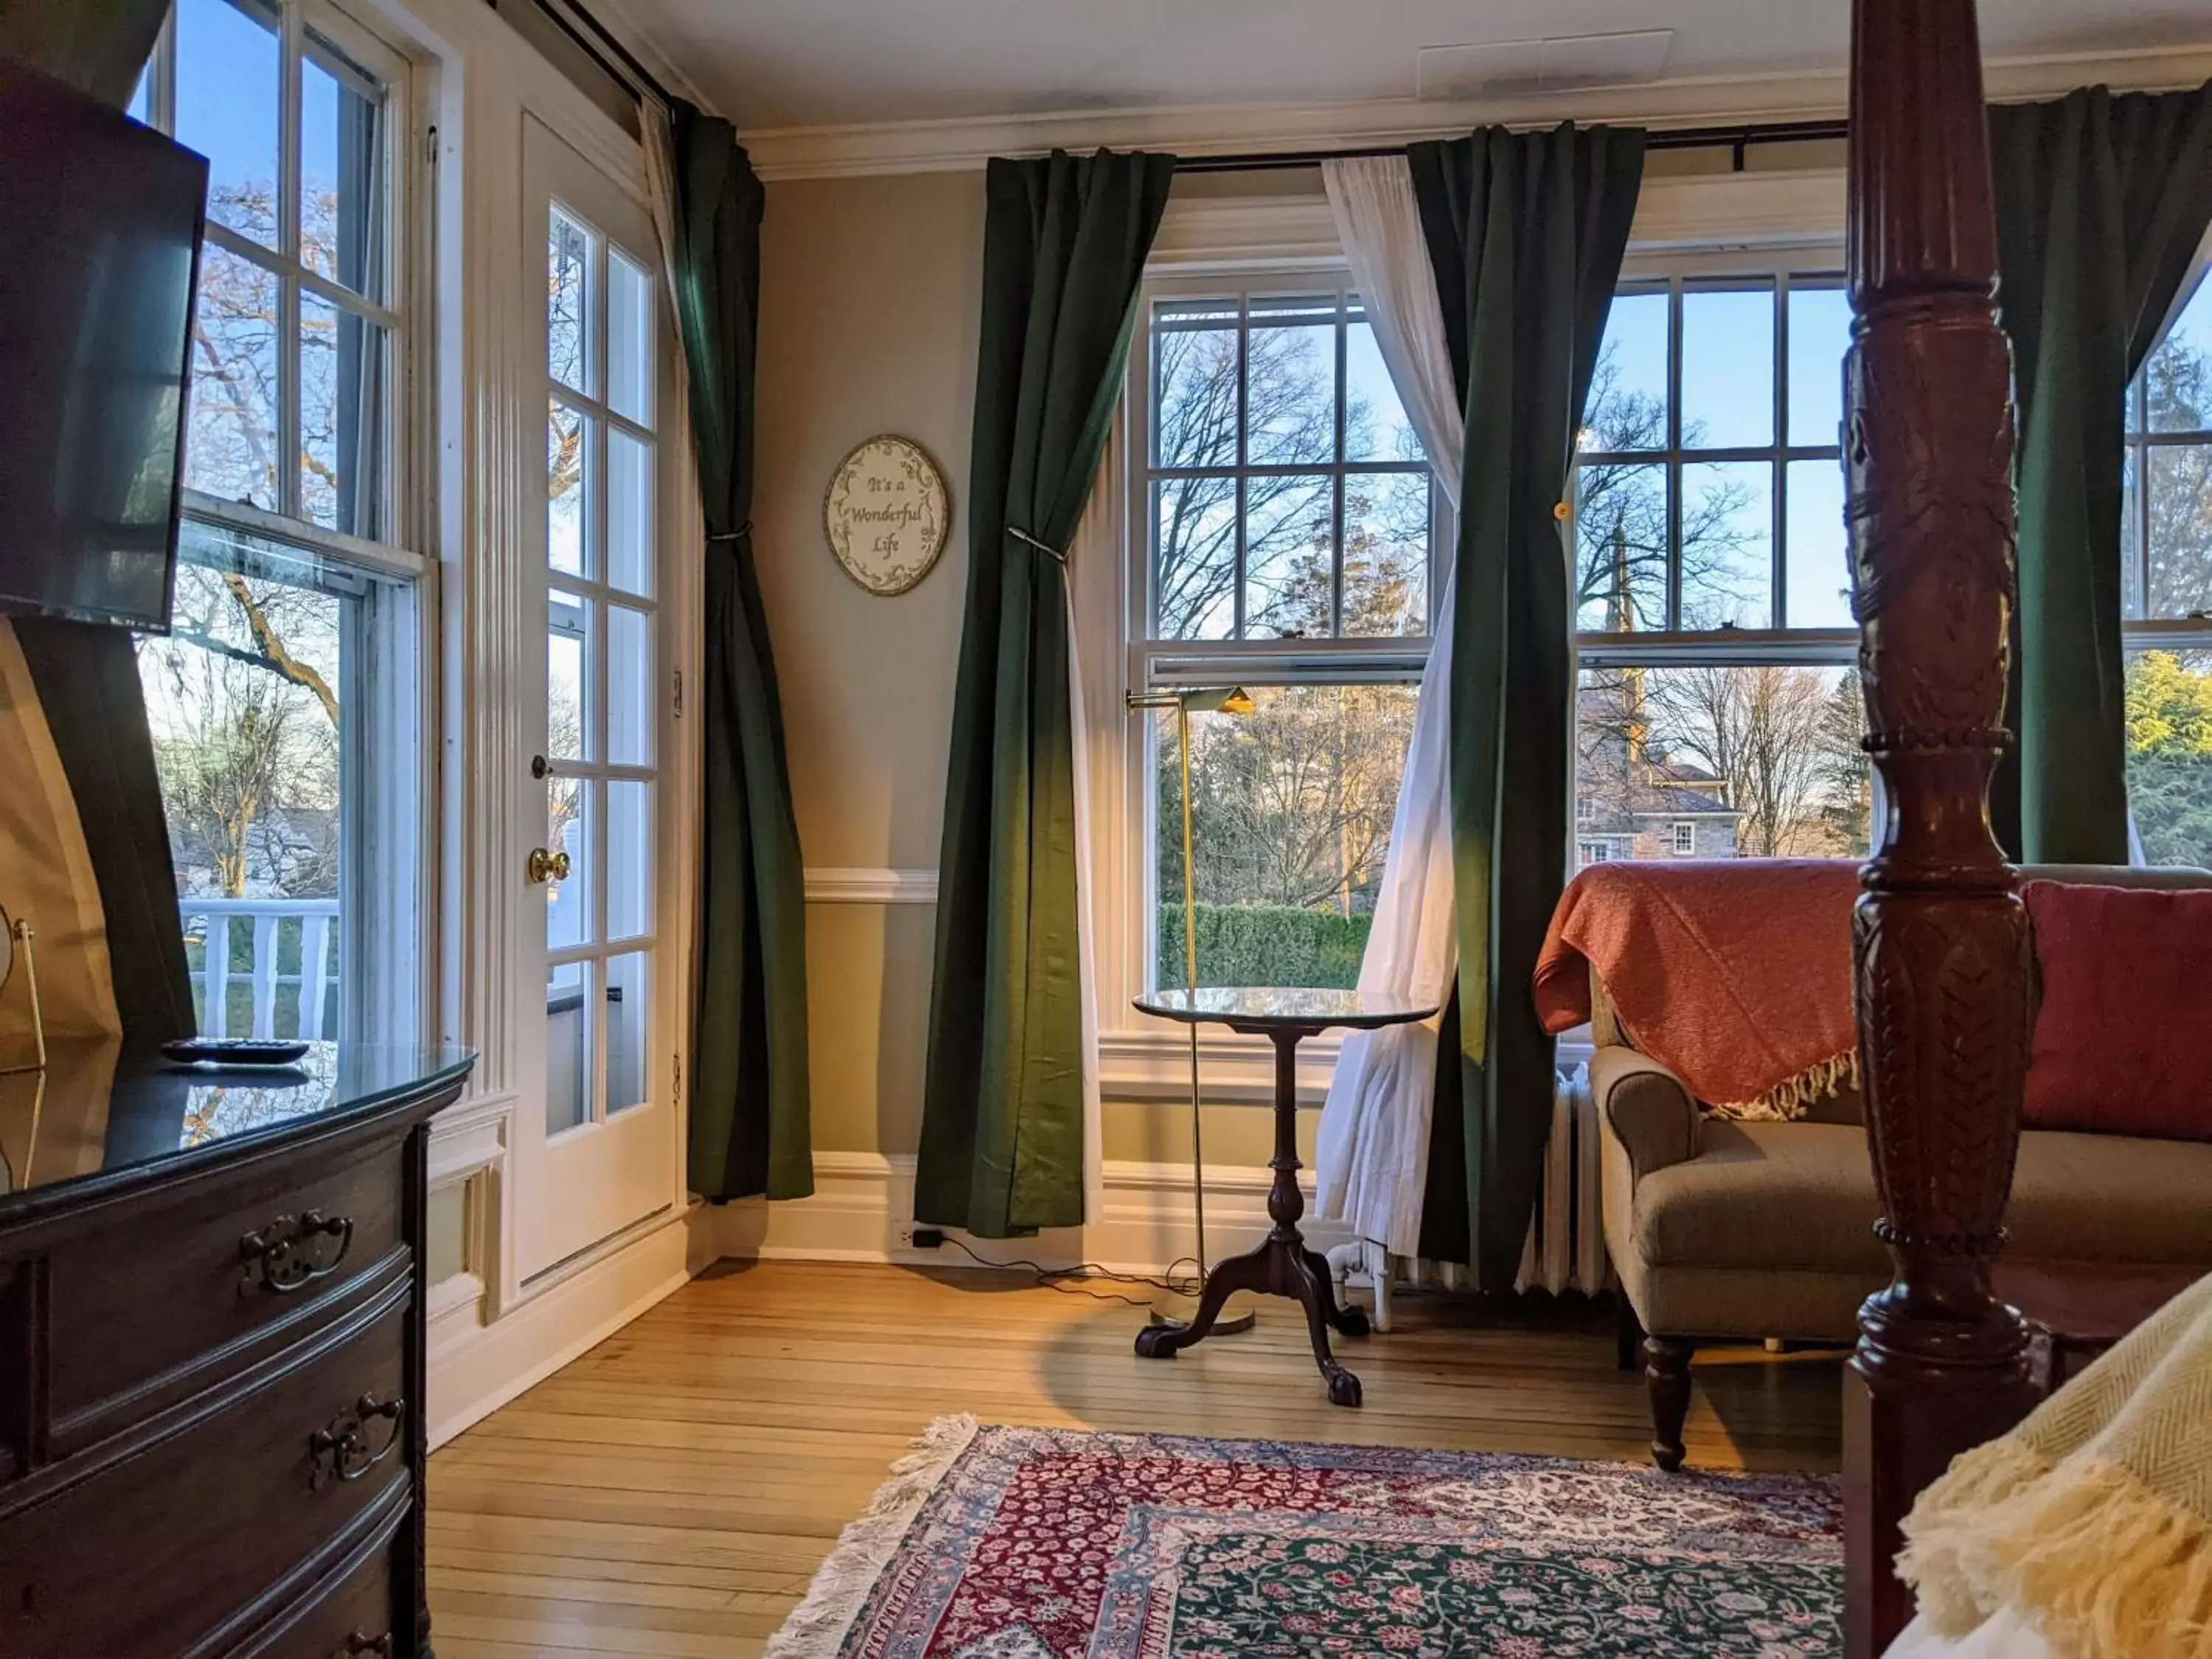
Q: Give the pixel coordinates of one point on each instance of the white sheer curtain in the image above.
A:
(1373, 1151)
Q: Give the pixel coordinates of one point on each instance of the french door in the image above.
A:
(601, 1154)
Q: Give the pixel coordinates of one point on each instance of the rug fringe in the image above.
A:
(818, 1624)
(1793, 1098)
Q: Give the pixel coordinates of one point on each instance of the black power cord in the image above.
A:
(1070, 1281)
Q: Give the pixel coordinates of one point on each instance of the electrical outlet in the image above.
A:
(926, 1238)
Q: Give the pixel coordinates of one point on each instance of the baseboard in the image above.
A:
(862, 1210)
(476, 1368)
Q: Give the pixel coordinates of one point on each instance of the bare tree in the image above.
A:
(1764, 732)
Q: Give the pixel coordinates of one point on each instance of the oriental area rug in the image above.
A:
(1005, 1543)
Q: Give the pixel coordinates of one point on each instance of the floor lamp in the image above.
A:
(1237, 1316)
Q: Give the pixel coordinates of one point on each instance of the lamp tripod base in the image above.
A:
(1172, 1308)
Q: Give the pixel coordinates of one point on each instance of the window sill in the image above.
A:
(1238, 1071)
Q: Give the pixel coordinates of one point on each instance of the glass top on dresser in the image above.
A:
(89, 1114)
(1306, 1008)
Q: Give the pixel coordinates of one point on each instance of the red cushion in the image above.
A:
(2120, 1040)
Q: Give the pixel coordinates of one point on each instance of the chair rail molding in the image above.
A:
(863, 885)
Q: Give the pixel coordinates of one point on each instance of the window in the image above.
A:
(284, 703)
(1291, 525)
(2167, 545)
(1718, 714)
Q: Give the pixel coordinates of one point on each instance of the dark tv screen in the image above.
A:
(100, 220)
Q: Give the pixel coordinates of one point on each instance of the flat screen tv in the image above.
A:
(100, 220)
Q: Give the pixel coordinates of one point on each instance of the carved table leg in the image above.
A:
(1667, 1380)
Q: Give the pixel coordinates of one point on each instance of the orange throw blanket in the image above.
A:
(1733, 974)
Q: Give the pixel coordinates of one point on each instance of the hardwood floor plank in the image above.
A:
(670, 1494)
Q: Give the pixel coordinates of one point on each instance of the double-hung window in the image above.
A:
(1287, 534)
(285, 703)
(1718, 713)
(2166, 588)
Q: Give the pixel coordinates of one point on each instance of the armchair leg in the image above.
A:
(1667, 1379)
(1628, 1336)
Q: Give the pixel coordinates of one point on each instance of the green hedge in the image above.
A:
(1265, 944)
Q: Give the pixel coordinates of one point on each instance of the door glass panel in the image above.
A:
(567, 464)
(569, 804)
(629, 859)
(629, 513)
(568, 296)
(568, 1046)
(629, 687)
(629, 339)
(626, 1007)
(567, 685)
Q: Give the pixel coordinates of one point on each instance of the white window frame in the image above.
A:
(2141, 632)
(390, 698)
(1685, 838)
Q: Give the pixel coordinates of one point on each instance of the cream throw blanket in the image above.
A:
(2093, 1520)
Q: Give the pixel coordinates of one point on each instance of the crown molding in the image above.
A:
(960, 145)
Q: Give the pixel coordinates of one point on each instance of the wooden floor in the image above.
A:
(673, 1491)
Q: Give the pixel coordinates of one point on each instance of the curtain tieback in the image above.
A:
(738, 534)
(1024, 535)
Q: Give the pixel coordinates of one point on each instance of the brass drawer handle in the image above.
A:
(292, 1251)
(361, 1645)
(341, 1451)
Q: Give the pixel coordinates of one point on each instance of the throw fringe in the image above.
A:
(2106, 1567)
(1794, 1096)
(817, 1626)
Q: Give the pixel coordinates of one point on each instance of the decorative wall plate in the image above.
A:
(886, 513)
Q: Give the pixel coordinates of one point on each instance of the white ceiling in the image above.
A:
(779, 64)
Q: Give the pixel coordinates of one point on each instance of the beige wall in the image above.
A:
(870, 290)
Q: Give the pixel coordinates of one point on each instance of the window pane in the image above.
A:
(1194, 370)
(568, 303)
(1627, 407)
(1290, 410)
(567, 464)
(341, 190)
(568, 1046)
(567, 667)
(568, 806)
(1385, 553)
(1814, 544)
(1620, 551)
(630, 686)
(629, 338)
(1727, 368)
(629, 513)
(629, 859)
(1820, 334)
(2131, 560)
(2180, 529)
(629, 981)
(1290, 546)
(1291, 813)
(1728, 545)
(2169, 723)
(1761, 761)
(1194, 556)
(1375, 424)
(342, 415)
(245, 703)
(228, 80)
(2179, 376)
(232, 450)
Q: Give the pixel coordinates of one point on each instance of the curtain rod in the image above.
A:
(1738, 137)
(634, 77)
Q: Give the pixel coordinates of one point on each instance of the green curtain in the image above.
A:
(87, 676)
(1064, 246)
(749, 1131)
(1525, 233)
(2101, 202)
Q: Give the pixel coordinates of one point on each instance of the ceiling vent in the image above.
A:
(1518, 68)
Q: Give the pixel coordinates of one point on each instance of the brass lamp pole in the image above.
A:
(1239, 1315)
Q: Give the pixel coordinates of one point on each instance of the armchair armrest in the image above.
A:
(1650, 1111)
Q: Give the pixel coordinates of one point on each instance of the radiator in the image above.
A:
(1565, 1249)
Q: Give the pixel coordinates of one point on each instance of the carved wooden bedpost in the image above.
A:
(1942, 939)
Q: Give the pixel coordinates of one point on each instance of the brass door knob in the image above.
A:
(548, 867)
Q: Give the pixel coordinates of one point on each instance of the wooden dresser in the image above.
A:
(211, 1357)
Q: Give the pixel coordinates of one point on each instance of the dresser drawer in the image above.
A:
(201, 1522)
(207, 1281)
(359, 1608)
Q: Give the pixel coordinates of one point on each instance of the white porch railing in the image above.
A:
(316, 978)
